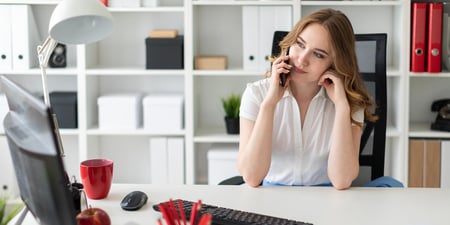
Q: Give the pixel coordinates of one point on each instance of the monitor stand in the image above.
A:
(22, 216)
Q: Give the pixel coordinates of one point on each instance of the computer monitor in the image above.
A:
(43, 184)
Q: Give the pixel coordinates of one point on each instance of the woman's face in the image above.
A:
(311, 55)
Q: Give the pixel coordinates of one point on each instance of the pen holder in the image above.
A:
(174, 213)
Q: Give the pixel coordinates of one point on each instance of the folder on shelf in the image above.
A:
(175, 157)
(250, 32)
(445, 164)
(434, 45)
(5, 37)
(445, 41)
(424, 163)
(158, 160)
(25, 37)
(258, 24)
(418, 41)
(271, 19)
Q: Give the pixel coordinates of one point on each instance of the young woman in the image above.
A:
(308, 131)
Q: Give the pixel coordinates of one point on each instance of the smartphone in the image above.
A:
(284, 75)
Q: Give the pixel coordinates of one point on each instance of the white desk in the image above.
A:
(317, 205)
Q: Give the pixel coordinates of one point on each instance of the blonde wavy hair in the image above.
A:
(344, 58)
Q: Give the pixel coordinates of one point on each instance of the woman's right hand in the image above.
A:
(276, 91)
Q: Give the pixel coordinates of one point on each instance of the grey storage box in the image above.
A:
(64, 105)
(164, 53)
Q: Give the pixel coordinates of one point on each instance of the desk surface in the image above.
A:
(317, 205)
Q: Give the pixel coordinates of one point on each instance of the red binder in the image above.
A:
(418, 41)
(434, 46)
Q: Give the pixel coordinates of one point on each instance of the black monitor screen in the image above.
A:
(42, 181)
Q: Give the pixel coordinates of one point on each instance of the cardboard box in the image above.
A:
(164, 53)
(210, 63)
(64, 105)
(163, 113)
(119, 111)
(163, 34)
(222, 162)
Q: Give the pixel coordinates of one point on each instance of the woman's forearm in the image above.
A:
(343, 162)
(255, 151)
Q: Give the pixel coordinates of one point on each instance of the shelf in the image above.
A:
(238, 2)
(136, 132)
(64, 131)
(422, 130)
(146, 9)
(36, 71)
(430, 75)
(353, 3)
(393, 132)
(214, 136)
(229, 72)
(132, 71)
(35, 2)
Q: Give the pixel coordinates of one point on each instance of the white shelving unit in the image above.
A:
(117, 64)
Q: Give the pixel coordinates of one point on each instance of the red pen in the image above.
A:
(166, 215)
(205, 219)
(195, 207)
(173, 212)
(181, 208)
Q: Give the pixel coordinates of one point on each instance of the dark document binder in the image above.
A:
(434, 45)
(418, 28)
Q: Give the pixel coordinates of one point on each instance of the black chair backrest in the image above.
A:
(371, 55)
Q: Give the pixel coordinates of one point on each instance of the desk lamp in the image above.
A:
(73, 22)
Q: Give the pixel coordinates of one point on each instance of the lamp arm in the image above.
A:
(44, 52)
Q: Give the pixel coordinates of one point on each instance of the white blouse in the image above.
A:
(299, 157)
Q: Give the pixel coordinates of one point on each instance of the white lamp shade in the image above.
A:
(80, 22)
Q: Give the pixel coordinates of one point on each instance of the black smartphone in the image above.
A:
(284, 75)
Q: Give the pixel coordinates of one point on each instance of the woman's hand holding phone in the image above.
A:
(276, 91)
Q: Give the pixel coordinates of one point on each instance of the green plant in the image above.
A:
(231, 105)
(6, 216)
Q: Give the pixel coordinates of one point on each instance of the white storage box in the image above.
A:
(3, 110)
(222, 162)
(119, 111)
(150, 3)
(124, 3)
(163, 113)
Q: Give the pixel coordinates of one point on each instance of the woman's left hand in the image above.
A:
(334, 85)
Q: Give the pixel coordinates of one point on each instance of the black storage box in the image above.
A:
(164, 53)
(64, 105)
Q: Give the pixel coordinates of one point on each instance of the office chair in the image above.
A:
(371, 55)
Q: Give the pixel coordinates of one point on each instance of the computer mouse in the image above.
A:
(134, 200)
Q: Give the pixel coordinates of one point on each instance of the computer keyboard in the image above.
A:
(227, 216)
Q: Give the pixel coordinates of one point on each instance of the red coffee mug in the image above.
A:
(96, 177)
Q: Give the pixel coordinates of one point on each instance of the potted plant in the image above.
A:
(8, 211)
(231, 106)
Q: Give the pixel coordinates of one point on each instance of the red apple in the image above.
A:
(93, 216)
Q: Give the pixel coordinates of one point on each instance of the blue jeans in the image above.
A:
(385, 181)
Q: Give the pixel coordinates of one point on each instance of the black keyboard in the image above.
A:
(227, 216)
